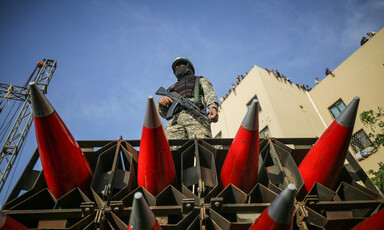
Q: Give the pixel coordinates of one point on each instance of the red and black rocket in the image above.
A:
(279, 214)
(374, 222)
(8, 223)
(241, 164)
(156, 169)
(142, 218)
(324, 162)
(64, 164)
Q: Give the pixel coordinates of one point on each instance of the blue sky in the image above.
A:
(113, 54)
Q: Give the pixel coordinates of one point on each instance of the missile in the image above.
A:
(279, 214)
(375, 222)
(64, 164)
(8, 223)
(324, 162)
(156, 169)
(142, 218)
(241, 164)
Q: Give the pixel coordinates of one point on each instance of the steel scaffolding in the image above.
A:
(16, 137)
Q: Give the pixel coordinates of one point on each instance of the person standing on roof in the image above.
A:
(198, 89)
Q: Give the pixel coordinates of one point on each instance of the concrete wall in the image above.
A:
(362, 75)
(285, 108)
(289, 112)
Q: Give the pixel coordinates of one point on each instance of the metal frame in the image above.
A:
(12, 92)
(197, 201)
(16, 137)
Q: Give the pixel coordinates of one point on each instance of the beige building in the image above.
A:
(289, 111)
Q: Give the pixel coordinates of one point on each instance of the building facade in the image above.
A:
(287, 110)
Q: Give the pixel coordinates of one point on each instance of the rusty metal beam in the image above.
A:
(197, 201)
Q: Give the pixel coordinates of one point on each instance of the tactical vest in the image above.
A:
(185, 86)
(189, 87)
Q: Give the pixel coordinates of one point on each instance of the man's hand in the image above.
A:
(165, 101)
(213, 115)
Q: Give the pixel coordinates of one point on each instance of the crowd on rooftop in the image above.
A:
(239, 78)
(277, 74)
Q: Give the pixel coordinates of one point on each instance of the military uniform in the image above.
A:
(183, 125)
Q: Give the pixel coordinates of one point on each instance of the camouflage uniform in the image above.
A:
(185, 126)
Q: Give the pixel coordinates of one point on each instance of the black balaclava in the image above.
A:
(181, 71)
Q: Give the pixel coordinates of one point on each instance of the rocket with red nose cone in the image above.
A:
(8, 223)
(142, 218)
(374, 222)
(64, 164)
(156, 169)
(240, 167)
(279, 214)
(324, 162)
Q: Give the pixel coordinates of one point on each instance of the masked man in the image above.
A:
(183, 124)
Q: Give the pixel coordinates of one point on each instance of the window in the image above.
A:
(265, 132)
(336, 108)
(360, 141)
(250, 102)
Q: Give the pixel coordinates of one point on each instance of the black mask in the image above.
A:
(180, 71)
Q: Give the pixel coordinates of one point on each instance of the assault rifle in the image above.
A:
(184, 102)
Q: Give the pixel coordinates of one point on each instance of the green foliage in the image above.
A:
(375, 122)
(378, 177)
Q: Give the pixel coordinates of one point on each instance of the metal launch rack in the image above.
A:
(197, 201)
